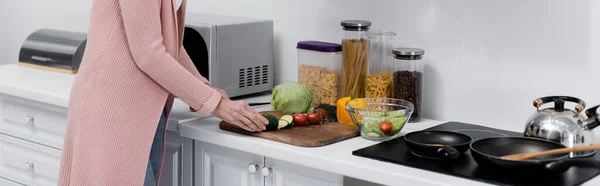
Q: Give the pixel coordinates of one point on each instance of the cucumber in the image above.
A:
(273, 122)
(282, 124)
(287, 118)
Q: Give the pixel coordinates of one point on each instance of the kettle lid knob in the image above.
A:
(559, 105)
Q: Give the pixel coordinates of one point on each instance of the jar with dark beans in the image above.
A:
(408, 79)
(408, 86)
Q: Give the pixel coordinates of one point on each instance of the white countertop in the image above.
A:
(54, 88)
(336, 158)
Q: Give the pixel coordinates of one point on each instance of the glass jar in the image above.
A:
(319, 67)
(355, 50)
(408, 79)
(380, 65)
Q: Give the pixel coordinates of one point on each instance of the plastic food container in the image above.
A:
(408, 78)
(355, 44)
(379, 118)
(319, 67)
(381, 62)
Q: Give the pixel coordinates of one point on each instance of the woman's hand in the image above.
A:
(241, 114)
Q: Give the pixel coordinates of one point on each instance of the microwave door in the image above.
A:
(195, 45)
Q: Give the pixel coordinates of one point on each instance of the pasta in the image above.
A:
(322, 81)
(379, 85)
(354, 66)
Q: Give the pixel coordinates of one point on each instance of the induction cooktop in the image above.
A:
(396, 151)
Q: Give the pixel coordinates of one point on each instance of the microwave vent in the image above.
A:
(252, 76)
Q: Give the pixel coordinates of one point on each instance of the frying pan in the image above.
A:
(487, 152)
(437, 144)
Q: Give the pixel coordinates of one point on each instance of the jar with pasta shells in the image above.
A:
(355, 52)
(319, 68)
(378, 83)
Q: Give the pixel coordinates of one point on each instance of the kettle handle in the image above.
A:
(537, 103)
(593, 120)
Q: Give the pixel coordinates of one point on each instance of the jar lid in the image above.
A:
(408, 52)
(381, 34)
(319, 46)
(356, 25)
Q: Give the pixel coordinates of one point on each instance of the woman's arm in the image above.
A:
(143, 29)
(186, 61)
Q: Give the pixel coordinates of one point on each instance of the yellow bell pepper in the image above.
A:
(342, 114)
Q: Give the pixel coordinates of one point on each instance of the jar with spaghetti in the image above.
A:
(379, 74)
(408, 79)
(355, 51)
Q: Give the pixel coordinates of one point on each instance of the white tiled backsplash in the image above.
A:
(487, 60)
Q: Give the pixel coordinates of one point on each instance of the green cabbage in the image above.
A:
(291, 97)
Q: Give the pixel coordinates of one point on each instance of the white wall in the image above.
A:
(486, 60)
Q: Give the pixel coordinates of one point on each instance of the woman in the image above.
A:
(134, 65)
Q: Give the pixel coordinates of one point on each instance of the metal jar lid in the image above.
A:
(356, 25)
(408, 53)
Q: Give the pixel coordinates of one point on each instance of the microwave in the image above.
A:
(235, 54)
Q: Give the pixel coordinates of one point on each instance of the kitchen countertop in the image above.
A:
(54, 88)
(336, 158)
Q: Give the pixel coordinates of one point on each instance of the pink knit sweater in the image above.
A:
(133, 66)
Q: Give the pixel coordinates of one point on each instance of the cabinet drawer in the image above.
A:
(5, 182)
(28, 163)
(34, 121)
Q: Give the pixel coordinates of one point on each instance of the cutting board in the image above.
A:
(303, 136)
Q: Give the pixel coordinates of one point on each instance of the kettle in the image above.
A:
(562, 125)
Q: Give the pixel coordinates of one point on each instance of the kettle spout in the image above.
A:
(593, 121)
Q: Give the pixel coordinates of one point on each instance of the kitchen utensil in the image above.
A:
(563, 125)
(396, 151)
(355, 52)
(408, 78)
(437, 144)
(379, 118)
(303, 136)
(378, 83)
(529, 155)
(488, 153)
(319, 68)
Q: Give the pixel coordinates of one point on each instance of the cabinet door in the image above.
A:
(178, 162)
(283, 173)
(5, 182)
(221, 166)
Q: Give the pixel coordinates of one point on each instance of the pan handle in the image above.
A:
(575, 162)
(448, 152)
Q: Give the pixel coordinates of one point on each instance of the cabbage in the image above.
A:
(291, 97)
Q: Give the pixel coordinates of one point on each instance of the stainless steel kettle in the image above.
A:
(565, 126)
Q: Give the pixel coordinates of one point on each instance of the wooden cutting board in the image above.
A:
(303, 136)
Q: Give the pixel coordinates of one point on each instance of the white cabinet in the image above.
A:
(222, 166)
(284, 173)
(28, 163)
(216, 166)
(178, 161)
(33, 121)
(5, 182)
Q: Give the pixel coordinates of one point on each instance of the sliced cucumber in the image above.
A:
(287, 118)
(282, 124)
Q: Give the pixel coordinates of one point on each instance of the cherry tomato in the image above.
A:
(322, 113)
(299, 119)
(313, 118)
(385, 127)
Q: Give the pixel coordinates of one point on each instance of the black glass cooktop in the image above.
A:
(396, 151)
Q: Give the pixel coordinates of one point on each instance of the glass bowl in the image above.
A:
(379, 118)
